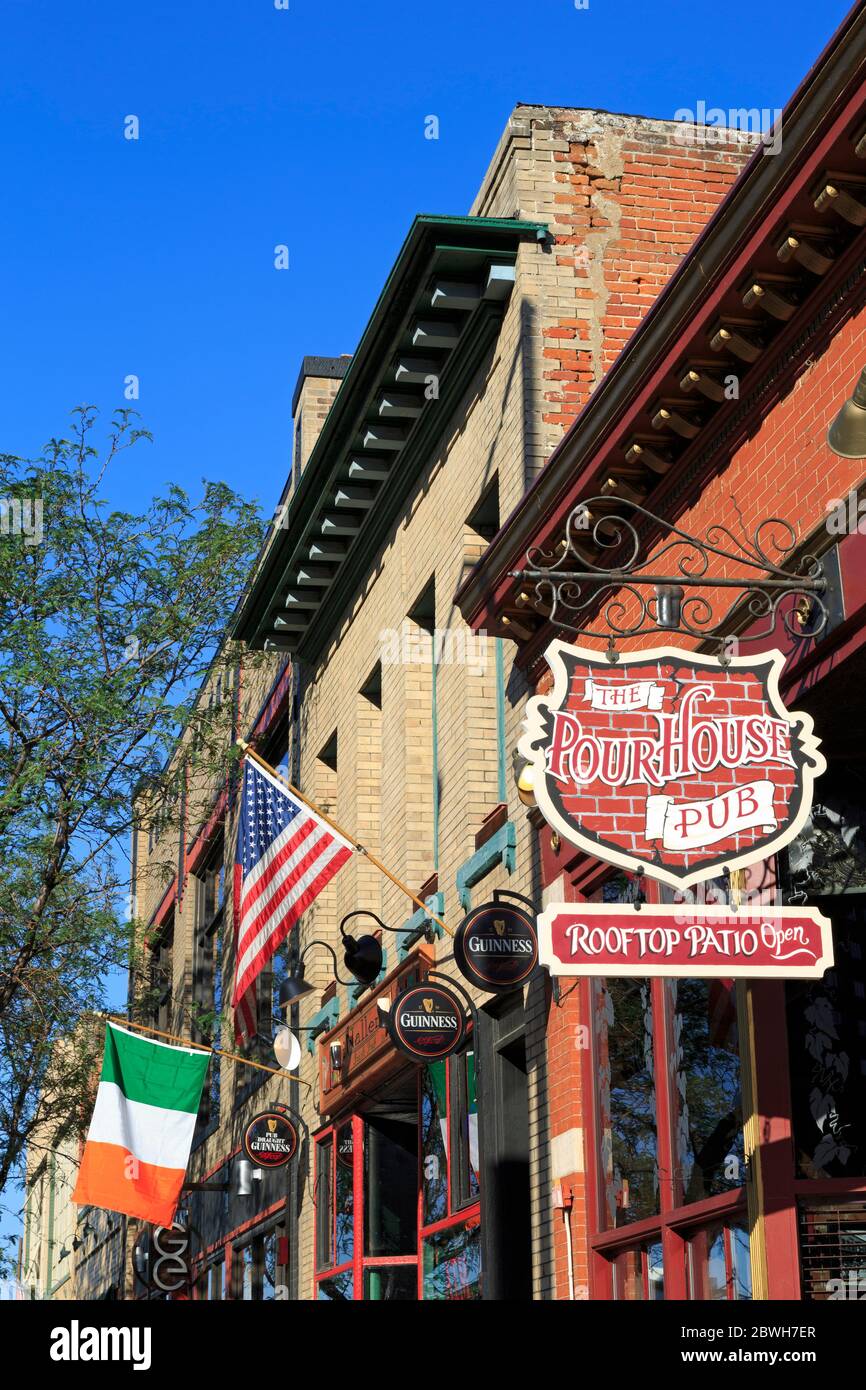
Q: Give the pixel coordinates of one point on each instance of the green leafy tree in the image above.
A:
(108, 624)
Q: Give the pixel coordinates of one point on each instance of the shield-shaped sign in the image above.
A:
(670, 760)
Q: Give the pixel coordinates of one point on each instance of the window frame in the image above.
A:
(674, 1225)
(255, 1240)
(466, 1214)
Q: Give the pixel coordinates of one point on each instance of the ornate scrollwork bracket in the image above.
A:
(574, 592)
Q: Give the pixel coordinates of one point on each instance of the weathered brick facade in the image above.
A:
(412, 754)
(717, 471)
(624, 197)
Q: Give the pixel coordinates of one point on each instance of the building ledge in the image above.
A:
(420, 924)
(322, 1022)
(439, 312)
(501, 848)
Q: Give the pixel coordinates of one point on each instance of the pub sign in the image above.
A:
(710, 940)
(270, 1139)
(670, 760)
(427, 1022)
(496, 947)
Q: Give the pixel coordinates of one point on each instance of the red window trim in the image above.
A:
(468, 1216)
(672, 1225)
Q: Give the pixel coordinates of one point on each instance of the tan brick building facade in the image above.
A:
(397, 720)
(408, 752)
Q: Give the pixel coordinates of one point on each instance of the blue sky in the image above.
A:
(261, 126)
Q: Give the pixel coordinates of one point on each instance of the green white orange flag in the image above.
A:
(141, 1132)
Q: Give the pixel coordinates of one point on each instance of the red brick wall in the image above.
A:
(566, 1038)
(629, 207)
(787, 469)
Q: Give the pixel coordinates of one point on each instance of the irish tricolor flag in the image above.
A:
(139, 1139)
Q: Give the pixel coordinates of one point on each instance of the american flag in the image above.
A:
(285, 855)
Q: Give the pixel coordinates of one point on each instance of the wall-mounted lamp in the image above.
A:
(287, 1049)
(362, 957)
(296, 985)
(847, 434)
(246, 1175)
(523, 776)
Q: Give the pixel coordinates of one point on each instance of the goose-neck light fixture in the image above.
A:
(362, 957)
(847, 434)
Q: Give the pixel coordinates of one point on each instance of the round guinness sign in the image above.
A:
(496, 947)
(270, 1139)
(427, 1022)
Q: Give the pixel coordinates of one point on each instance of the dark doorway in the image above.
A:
(504, 1124)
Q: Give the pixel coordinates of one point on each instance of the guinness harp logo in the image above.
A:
(427, 1022)
(272, 1126)
(496, 948)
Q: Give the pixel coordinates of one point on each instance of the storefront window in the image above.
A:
(324, 1203)
(719, 1267)
(216, 1277)
(337, 1289)
(668, 1133)
(452, 1263)
(638, 1274)
(257, 1274)
(344, 1215)
(624, 1034)
(245, 1263)
(465, 1158)
(270, 1281)
(827, 1049)
(391, 1185)
(434, 1139)
(705, 1063)
(391, 1282)
(413, 1198)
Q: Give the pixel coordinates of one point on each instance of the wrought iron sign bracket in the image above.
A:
(573, 591)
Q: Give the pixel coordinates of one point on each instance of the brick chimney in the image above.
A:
(318, 383)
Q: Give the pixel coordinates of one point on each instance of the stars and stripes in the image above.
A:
(285, 856)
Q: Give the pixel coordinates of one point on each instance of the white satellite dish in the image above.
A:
(287, 1050)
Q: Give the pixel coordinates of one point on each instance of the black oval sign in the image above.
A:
(270, 1139)
(427, 1022)
(496, 947)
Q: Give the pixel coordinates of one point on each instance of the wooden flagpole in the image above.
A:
(251, 753)
(214, 1051)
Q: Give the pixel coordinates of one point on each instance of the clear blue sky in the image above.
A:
(261, 126)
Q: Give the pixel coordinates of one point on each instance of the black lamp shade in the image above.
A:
(847, 434)
(363, 958)
(292, 988)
